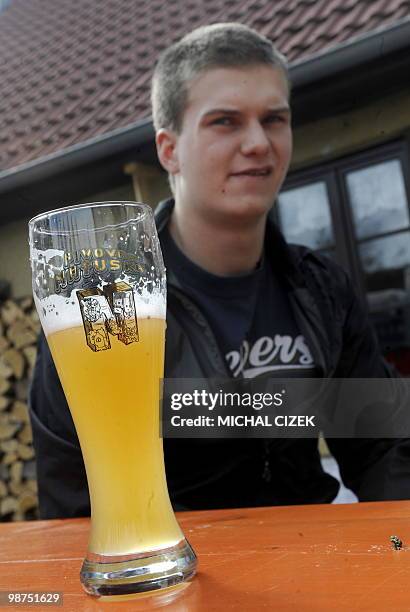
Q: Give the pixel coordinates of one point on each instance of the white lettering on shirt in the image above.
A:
(268, 354)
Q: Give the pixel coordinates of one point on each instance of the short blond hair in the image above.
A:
(221, 45)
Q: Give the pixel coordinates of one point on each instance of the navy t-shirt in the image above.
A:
(250, 316)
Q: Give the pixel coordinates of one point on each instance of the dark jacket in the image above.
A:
(222, 473)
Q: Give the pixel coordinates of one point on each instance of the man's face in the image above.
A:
(235, 143)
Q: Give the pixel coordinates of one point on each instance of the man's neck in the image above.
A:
(219, 248)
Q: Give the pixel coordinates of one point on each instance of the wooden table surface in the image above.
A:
(330, 557)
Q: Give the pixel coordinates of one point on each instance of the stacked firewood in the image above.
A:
(19, 327)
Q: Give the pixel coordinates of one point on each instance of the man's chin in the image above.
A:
(239, 213)
(250, 207)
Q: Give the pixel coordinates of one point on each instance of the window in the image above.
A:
(380, 211)
(357, 211)
(304, 214)
(4, 4)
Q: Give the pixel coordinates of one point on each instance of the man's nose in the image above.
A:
(255, 140)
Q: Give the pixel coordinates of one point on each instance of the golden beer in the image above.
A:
(114, 397)
(99, 285)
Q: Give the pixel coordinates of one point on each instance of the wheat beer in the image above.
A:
(113, 397)
(99, 285)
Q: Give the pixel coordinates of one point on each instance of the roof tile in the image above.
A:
(75, 69)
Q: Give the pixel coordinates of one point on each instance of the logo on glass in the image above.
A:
(108, 311)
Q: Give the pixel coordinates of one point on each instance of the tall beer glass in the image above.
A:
(100, 291)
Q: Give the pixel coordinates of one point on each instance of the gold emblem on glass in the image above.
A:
(108, 311)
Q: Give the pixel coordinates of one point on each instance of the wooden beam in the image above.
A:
(150, 183)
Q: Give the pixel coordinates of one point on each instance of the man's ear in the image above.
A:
(166, 141)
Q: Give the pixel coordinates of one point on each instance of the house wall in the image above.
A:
(375, 123)
(14, 257)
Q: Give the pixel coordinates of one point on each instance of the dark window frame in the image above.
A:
(334, 173)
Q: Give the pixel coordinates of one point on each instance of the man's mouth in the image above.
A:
(263, 171)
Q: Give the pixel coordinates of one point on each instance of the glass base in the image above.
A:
(105, 575)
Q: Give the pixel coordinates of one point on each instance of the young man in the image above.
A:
(239, 297)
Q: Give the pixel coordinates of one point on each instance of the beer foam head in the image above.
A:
(58, 312)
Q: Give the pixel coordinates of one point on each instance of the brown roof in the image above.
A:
(72, 70)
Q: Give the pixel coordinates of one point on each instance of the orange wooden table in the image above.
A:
(285, 558)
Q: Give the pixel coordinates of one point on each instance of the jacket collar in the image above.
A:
(163, 213)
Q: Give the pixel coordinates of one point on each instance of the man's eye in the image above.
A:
(276, 118)
(223, 121)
